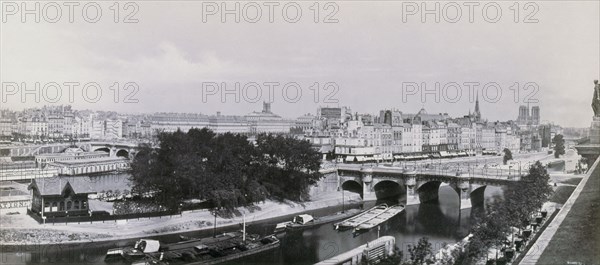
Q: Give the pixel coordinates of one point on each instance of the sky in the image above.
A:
(181, 56)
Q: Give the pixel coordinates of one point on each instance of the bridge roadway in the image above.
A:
(421, 182)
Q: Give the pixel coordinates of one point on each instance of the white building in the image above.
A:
(171, 122)
(488, 138)
(417, 137)
(224, 124)
(97, 129)
(113, 129)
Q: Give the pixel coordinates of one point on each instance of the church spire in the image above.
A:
(477, 112)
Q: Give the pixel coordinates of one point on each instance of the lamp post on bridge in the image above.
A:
(343, 207)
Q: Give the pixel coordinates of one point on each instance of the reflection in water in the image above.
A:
(441, 221)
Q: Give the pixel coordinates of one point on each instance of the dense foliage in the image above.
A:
(507, 155)
(421, 253)
(559, 145)
(521, 200)
(225, 169)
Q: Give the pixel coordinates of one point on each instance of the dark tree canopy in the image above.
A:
(421, 253)
(559, 145)
(507, 155)
(225, 169)
(515, 209)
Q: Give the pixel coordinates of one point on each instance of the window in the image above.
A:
(69, 205)
(76, 205)
(61, 206)
(83, 205)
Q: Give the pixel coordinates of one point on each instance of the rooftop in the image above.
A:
(56, 185)
(91, 160)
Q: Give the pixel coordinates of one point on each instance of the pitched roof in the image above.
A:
(56, 185)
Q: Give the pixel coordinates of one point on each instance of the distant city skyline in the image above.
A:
(311, 112)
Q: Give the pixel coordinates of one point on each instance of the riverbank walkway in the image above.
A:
(573, 237)
(18, 229)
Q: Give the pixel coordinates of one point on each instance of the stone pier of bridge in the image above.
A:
(427, 191)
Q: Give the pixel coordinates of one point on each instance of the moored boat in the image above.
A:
(380, 218)
(240, 251)
(141, 248)
(303, 221)
(144, 247)
(360, 218)
(222, 248)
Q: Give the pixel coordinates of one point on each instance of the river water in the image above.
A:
(442, 222)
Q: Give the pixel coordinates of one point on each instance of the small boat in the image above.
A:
(380, 218)
(143, 247)
(303, 221)
(137, 252)
(223, 248)
(241, 250)
(360, 218)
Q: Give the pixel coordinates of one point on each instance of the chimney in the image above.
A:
(266, 107)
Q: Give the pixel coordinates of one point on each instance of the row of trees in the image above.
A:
(559, 148)
(521, 200)
(225, 169)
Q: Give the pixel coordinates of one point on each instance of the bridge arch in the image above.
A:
(388, 189)
(103, 149)
(352, 186)
(428, 191)
(123, 153)
(478, 195)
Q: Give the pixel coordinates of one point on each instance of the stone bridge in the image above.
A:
(124, 149)
(421, 184)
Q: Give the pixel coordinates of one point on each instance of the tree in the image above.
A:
(394, 259)
(287, 167)
(225, 169)
(507, 155)
(492, 229)
(559, 145)
(537, 184)
(421, 253)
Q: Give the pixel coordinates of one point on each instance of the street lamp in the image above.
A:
(343, 208)
(215, 223)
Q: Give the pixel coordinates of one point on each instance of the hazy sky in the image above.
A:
(371, 54)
